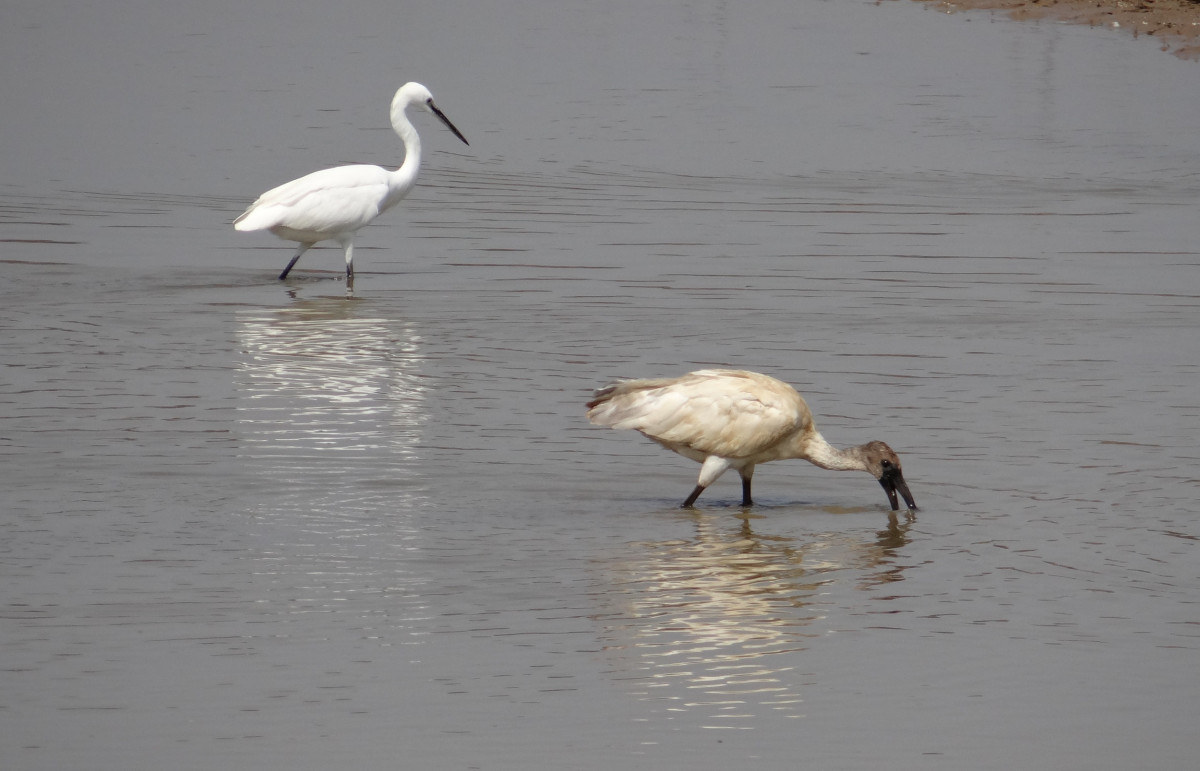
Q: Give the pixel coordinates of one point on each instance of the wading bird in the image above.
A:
(736, 419)
(332, 204)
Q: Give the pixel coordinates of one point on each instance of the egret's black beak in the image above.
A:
(442, 117)
(893, 482)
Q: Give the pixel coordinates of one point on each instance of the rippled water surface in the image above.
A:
(254, 524)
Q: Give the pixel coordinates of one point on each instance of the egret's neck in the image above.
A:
(404, 177)
(823, 454)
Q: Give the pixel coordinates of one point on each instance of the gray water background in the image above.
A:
(252, 524)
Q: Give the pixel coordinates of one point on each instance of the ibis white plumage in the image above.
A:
(332, 204)
(737, 419)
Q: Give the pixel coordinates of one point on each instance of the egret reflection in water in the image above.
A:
(698, 621)
(331, 406)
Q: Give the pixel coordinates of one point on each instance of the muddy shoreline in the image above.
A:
(1175, 23)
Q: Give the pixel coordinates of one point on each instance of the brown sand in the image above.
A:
(1176, 23)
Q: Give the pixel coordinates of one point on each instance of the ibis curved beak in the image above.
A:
(442, 117)
(893, 482)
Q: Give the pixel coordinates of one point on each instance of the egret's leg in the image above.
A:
(303, 248)
(691, 499)
(348, 245)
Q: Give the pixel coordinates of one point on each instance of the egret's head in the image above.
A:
(415, 93)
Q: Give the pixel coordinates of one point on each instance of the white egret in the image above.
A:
(332, 204)
(735, 419)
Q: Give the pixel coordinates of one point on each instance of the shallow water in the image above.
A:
(263, 524)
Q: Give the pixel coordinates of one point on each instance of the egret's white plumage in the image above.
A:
(332, 204)
(736, 419)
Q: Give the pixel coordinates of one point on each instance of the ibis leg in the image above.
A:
(691, 499)
(746, 499)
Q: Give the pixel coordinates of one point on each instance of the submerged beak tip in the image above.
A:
(896, 487)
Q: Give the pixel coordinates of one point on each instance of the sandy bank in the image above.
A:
(1176, 23)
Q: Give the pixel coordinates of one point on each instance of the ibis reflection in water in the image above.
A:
(699, 622)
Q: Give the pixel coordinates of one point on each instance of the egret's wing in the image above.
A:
(326, 201)
(711, 411)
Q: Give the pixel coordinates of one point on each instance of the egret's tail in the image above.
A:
(254, 218)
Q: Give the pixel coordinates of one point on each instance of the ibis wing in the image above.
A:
(715, 415)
